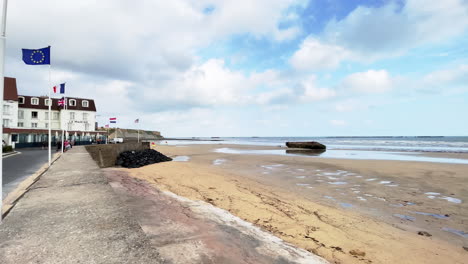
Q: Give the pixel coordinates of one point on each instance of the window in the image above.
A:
(33, 114)
(33, 124)
(20, 114)
(72, 116)
(6, 109)
(47, 102)
(20, 100)
(6, 122)
(55, 116)
(46, 115)
(20, 124)
(46, 125)
(85, 116)
(35, 101)
(70, 126)
(86, 126)
(72, 102)
(85, 103)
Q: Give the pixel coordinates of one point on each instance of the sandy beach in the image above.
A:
(345, 210)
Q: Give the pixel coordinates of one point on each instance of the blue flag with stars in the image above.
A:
(36, 56)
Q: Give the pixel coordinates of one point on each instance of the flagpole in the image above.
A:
(138, 130)
(2, 82)
(63, 129)
(50, 109)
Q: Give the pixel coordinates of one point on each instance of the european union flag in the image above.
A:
(36, 56)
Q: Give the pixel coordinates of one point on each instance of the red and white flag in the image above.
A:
(137, 120)
(107, 126)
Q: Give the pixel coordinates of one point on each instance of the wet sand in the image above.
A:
(347, 211)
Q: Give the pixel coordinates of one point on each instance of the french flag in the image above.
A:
(113, 120)
(62, 88)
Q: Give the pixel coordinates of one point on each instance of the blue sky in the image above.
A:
(255, 68)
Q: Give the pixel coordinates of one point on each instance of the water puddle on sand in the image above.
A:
(302, 184)
(218, 161)
(346, 205)
(385, 182)
(361, 198)
(328, 197)
(181, 158)
(338, 183)
(438, 216)
(456, 232)
(451, 199)
(373, 179)
(272, 167)
(405, 217)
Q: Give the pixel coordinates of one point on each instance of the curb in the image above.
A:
(12, 198)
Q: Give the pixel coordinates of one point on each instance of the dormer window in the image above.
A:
(72, 102)
(85, 103)
(47, 102)
(20, 100)
(34, 101)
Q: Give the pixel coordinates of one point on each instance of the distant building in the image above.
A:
(130, 135)
(26, 120)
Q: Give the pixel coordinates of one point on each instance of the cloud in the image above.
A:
(314, 55)
(371, 81)
(368, 34)
(133, 41)
(392, 30)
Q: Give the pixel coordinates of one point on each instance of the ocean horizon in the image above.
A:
(446, 144)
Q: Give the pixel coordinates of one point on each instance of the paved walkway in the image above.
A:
(73, 215)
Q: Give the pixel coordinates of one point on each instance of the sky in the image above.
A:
(253, 67)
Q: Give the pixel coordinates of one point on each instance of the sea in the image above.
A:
(447, 144)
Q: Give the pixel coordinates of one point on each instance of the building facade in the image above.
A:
(26, 119)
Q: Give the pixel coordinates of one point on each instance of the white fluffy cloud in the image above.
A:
(314, 55)
(391, 30)
(371, 33)
(371, 81)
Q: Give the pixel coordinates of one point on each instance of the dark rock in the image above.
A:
(424, 233)
(465, 248)
(307, 145)
(136, 159)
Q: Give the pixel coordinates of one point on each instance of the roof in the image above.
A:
(55, 106)
(10, 91)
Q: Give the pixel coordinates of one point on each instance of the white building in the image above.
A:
(26, 119)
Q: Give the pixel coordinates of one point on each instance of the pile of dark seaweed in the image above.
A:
(136, 159)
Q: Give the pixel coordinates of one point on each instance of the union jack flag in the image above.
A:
(62, 102)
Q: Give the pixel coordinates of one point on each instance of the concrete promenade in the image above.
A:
(78, 213)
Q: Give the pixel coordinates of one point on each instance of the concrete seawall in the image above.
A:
(105, 155)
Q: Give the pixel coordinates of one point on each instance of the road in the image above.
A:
(18, 167)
